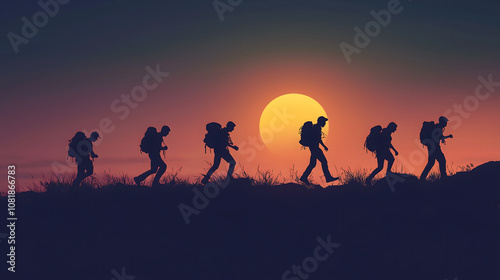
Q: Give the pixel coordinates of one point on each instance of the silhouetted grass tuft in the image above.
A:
(173, 178)
(56, 182)
(349, 176)
(267, 178)
(116, 179)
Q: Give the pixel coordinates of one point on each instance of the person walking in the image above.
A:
(220, 140)
(432, 136)
(152, 144)
(383, 146)
(81, 148)
(314, 136)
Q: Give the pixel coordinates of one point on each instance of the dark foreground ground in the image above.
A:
(442, 230)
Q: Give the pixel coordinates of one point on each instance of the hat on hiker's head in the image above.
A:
(95, 135)
(322, 119)
(230, 124)
(165, 128)
(443, 119)
(392, 125)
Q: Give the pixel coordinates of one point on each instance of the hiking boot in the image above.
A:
(331, 179)
(304, 180)
(204, 181)
(137, 182)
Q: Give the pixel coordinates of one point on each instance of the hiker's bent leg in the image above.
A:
(442, 163)
(428, 167)
(85, 169)
(232, 164)
(380, 166)
(77, 181)
(324, 163)
(154, 168)
(230, 170)
(215, 166)
(390, 162)
(310, 167)
(88, 172)
(145, 175)
(80, 175)
(162, 167)
(89, 169)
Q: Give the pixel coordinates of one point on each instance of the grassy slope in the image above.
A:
(433, 230)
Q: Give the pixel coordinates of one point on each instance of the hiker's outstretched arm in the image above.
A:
(234, 147)
(443, 137)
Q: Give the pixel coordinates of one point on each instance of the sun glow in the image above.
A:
(282, 118)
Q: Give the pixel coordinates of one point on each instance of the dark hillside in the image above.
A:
(432, 230)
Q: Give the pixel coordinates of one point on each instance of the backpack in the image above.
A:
(372, 141)
(147, 145)
(306, 134)
(426, 132)
(73, 144)
(214, 137)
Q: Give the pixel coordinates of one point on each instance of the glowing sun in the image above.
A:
(281, 119)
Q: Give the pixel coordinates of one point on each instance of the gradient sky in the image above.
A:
(426, 60)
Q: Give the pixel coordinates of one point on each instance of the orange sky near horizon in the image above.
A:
(354, 97)
(75, 74)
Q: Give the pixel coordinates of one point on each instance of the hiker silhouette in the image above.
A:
(379, 141)
(218, 138)
(152, 144)
(311, 137)
(431, 136)
(81, 148)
